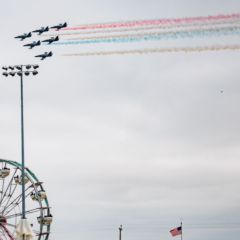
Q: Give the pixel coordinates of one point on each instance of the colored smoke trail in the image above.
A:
(139, 35)
(158, 36)
(157, 50)
(155, 22)
(146, 28)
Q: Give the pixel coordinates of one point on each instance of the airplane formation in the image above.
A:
(38, 43)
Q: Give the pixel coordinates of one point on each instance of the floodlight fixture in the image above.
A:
(18, 67)
(5, 74)
(35, 66)
(5, 68)
(28, 66)
(27, 73)
(34, 72)
(11, 67)
(19, 73)
(12, 74)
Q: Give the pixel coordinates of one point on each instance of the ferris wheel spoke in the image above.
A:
(37, 233)
(13, 204)
(9, 186)
(10, 183)
(7, 232)
(16, 201)
(3, 233)
(3, 182)
(10, 196)
(20, 214)
(41, 233)
(11, 225)
(10, 189)
(18, 197)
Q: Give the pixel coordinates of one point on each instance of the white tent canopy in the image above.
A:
(24, 230)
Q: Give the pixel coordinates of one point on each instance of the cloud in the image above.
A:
(141, 141)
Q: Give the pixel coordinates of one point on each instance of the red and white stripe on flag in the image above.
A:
(176, 231)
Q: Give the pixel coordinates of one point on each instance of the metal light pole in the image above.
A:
(21, 70)
(120, 232)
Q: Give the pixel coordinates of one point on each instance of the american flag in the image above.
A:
(176, 231)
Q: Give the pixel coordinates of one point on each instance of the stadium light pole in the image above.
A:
(21, 70)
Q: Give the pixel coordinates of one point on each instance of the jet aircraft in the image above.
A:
(41, 30)
(44, 55)
(25, 35)
(51, 40)
(33, 44)
(59, 26)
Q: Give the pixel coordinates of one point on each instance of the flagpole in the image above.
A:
(181, 231)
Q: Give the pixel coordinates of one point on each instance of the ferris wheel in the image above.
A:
(37, 207)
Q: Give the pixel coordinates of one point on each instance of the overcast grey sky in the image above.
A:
(138, 140)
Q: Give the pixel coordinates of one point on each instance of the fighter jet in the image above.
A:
(25, 35)
(33, 44)
(51, 40)
(41, 30)
(59, 26)
(44, 55)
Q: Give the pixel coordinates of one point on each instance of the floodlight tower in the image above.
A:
(21, 70)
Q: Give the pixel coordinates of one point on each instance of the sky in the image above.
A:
(146, 141)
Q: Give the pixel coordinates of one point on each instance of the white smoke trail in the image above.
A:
(157, 50)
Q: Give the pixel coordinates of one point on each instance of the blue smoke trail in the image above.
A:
(160, 36)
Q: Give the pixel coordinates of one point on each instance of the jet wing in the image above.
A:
(38, 30)
(47, 40)
(28, 45)
(56, 26)
(33, 44)
(41, 30)
(41, 55)
(22, 37)
(59, 26)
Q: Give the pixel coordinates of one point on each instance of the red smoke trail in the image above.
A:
(156, 22)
